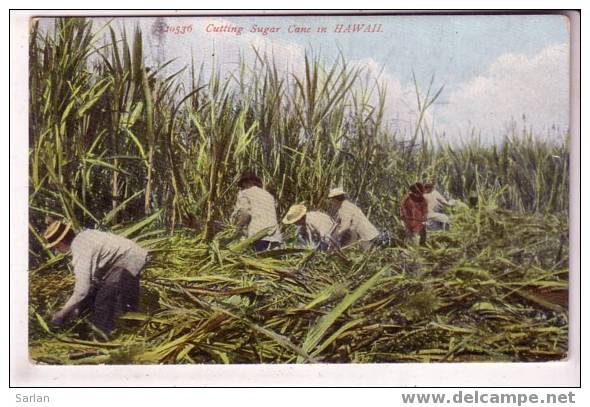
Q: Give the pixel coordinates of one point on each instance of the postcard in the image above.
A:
(317, 189)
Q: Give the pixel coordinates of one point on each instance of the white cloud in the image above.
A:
(514, 85)
(401, 108)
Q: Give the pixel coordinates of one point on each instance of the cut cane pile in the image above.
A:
(492, 288)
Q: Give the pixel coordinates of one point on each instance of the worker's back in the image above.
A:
(260, 205)
(319, 224)
(353, 221)
(106, 250)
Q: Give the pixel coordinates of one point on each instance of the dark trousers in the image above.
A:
(383, 240)
(410, 235)
(117, 294)
(262, 245)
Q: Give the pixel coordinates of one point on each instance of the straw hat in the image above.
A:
(334, 192)
(295, 213)
(55, 233)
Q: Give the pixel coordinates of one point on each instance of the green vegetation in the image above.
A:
(115, 144)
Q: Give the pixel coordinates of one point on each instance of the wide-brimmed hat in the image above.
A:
(294, 214)
(334, 192)
(55, 233)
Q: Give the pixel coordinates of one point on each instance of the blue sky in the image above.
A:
(495, 68)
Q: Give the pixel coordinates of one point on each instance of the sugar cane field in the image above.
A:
(121, 146)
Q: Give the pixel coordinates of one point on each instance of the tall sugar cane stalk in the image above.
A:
(149, 116)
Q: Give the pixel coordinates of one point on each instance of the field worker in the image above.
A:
(351, 223)
(107, 268)
(435, 202)
(256, 210)
(414, 212)
(314, 228)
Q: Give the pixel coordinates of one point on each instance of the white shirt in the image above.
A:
(318, 227)
(94, 253)
(435, 201)
(353, 223)
(259, 207)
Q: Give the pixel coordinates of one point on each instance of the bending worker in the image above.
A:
(255, 210)
(352, 224)
(314, 228)
(107, 269)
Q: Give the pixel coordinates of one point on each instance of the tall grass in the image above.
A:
(113, 140)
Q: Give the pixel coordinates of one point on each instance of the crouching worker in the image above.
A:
(352, 224)
(435, 202)
(414, 211)
(107, 268)
(314, 228)
(256, 210)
